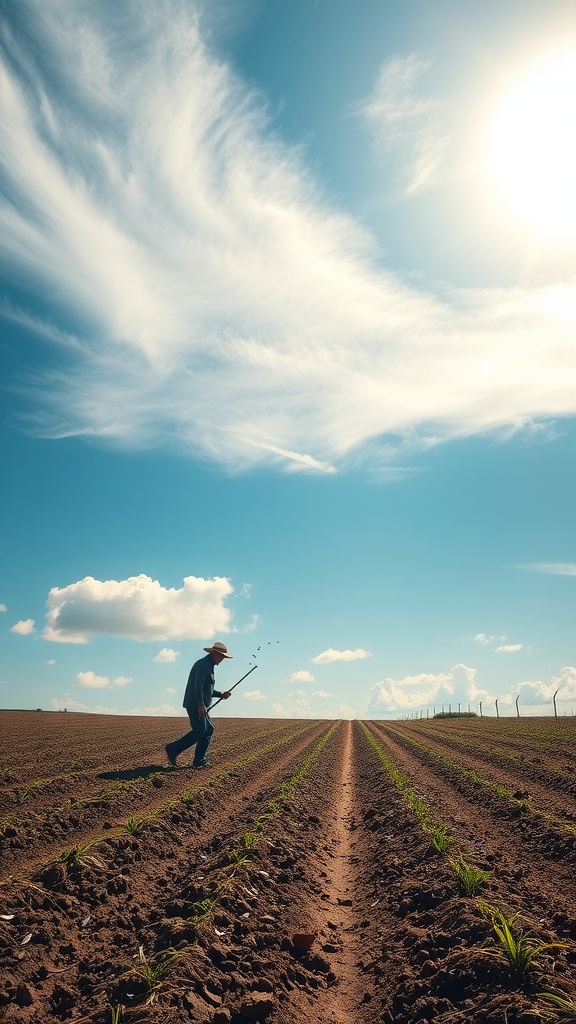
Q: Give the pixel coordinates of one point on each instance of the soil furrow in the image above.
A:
(494, 840)
(300, 887)
(93, 821)
(510, 770)
(45, 796)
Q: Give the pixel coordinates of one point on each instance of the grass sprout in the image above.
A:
(442, 841)
(79, 855)
(470, 878)
(151, 972)
(200, 911)
(565, 1006)
(238, 857)
(516, 946)
(133, 825)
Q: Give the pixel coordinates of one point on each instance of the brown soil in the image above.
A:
(324, 899)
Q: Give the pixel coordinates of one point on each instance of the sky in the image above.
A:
(288, 355)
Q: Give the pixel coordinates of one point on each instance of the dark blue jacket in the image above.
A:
(200, 686)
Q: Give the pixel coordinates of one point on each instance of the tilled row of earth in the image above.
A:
(534, 750)
(292, 883)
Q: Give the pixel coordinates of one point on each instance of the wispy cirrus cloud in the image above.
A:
(553, 568)
(406, 121)
(192, 253)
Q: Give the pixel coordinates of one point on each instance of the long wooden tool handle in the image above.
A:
(232, 687)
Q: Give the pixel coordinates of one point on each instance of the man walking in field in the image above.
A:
(197, 700)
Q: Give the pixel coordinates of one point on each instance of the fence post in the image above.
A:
(480, 703)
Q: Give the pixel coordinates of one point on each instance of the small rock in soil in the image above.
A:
(24, 996)
(302, 941)
(257, 1007)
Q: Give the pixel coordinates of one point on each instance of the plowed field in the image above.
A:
(315, 872)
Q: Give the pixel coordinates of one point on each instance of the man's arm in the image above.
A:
(202, 672)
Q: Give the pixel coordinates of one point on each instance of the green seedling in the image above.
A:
(516, 947)
(470, 878)
(151, 973)
(442, 841)
(200, 911)
(565, 1006)
(238, 858)
(79, 855)
(134, 825)
(116, 1014)
(249, 841)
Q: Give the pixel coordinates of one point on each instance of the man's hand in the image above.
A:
(202, 710)
(226, 694)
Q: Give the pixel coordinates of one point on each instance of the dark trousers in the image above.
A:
(200, 734)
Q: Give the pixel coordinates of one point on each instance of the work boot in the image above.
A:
(204, 763)
(171, 757)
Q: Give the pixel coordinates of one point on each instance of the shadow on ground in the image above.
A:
(129, 774)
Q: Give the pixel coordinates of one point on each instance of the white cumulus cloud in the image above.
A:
(483, 638)
(24, 628)
(166, 655)
(331, 655)
(3, 608)
(254, 695)
(564, 684)
(90, 681)
(509, 648)
(322, 694)
(138, 607)
(345, 711)
(420, 690)
(302, 676)
(70, 704)
(169, 689)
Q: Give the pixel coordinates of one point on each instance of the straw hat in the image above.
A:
(218, 648)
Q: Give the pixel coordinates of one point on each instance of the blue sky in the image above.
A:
(288, 349)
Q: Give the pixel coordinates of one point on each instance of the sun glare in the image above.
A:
(532, 146)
